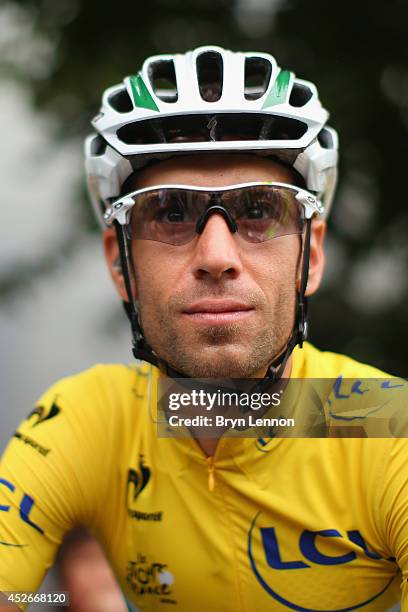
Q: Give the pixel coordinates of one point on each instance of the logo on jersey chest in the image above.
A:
(145, 576)
(291, 567)
(137, 481)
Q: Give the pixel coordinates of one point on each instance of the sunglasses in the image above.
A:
(175, 214)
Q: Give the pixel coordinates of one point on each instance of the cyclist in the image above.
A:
(212, 173)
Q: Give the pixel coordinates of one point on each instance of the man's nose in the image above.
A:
(216, 251)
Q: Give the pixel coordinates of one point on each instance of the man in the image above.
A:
(212, 173)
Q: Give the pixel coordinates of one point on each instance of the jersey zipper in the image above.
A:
(211, 478)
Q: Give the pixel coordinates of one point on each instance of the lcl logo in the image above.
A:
(325, 547)
(308, 548)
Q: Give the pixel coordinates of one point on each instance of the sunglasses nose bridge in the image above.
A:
(216, 209)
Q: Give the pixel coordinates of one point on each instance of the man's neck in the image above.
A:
(209, 445)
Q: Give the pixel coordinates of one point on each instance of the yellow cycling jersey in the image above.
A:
(316, 524)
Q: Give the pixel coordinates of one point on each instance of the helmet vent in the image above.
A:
(230, 127)
(162, 77)
(120, 101)
(300, 95)
(98, 146)
(210, 74)
(325, 139)
(258, 72)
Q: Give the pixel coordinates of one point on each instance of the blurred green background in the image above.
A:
(62, 54)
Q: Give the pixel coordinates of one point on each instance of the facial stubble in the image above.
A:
(236, 350)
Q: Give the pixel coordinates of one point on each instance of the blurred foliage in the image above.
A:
(356, 52)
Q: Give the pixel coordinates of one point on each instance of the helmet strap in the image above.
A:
(299, 333)
(140, 348)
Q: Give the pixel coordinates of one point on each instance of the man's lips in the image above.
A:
(215, 306)
(218, 311)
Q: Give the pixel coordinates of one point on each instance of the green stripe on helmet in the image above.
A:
(278, 92)
(141, 95)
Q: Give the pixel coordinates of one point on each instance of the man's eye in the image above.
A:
(256, 211)
(175, 216)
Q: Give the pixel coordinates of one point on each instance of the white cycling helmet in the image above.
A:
(207, 100)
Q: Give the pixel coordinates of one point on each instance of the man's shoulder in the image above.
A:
(360, 400)
(103, 380)
(103, 393)
(311, 362)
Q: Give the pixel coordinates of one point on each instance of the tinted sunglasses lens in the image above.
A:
(170, 214)
(264, 212)
(167, 215)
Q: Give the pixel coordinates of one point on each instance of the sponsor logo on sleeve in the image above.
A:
(25, 506)
(31, 442)
(42, 414)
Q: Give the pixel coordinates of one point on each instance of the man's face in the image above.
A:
(217, 306)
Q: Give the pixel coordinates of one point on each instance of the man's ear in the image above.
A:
(111, 249)
(317, 258)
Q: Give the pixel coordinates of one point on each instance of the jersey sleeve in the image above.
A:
(394, 509)
(52, 474)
